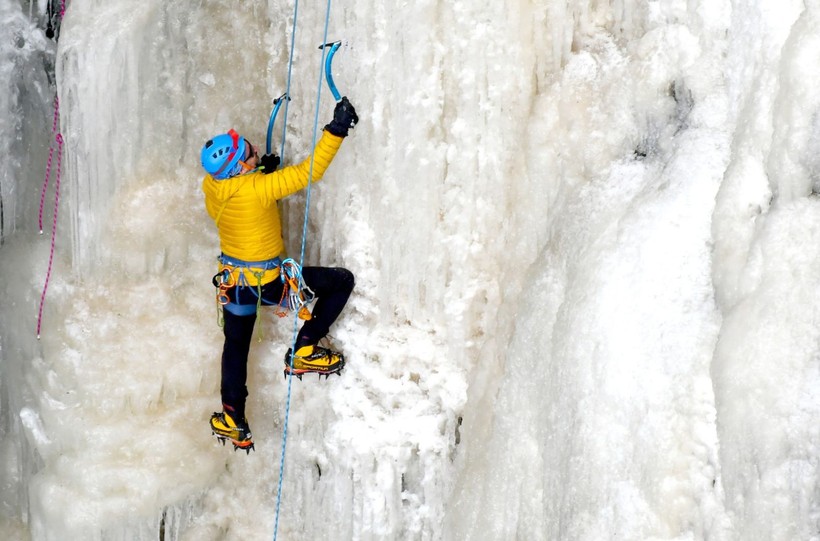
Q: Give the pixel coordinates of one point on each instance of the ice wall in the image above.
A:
(579, 312)
(627, 438)
(26, 92)
(601, 422)
(27, 62)
(765, 370)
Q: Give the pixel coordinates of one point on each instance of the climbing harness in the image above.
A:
(250, 274)
(296, 295)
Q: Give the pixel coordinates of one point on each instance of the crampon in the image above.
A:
(314, 359)
(225, 428)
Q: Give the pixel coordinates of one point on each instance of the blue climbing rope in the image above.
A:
(287, 87)
(301, 255)
(284, 99)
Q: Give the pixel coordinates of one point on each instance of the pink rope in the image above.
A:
(59, 140)
(48, 163)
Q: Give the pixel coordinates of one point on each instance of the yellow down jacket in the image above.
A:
(244, 207)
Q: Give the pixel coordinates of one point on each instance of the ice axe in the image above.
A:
(277, 104)
(334, 46)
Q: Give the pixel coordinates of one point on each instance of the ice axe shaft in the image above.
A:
(277, 104)
(333, 46)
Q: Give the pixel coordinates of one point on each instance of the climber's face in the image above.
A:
(251, 156)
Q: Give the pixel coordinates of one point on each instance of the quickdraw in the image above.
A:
(296, 295)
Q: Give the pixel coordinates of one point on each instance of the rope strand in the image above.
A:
(290, 74)
(301, 260)
(59, 140)
(48, 163)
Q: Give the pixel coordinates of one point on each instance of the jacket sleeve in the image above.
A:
(283, 182)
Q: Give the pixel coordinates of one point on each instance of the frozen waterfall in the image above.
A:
(586, 238)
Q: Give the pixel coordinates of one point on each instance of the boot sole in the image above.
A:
(246, 445)
(322, 371)
(299, 372)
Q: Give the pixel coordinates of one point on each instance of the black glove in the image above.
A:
(344, 118)
(269, 162)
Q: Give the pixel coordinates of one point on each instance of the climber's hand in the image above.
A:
(269, 162)
(344, 118)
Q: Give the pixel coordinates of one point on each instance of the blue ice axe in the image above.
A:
(277, 104)
(334, 46)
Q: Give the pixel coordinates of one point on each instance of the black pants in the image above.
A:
(332, 287)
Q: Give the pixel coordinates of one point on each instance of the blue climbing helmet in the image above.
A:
(221, 155)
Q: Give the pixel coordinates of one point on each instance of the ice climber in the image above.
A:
(241, 190)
